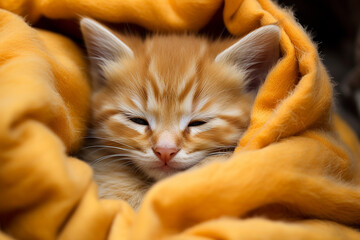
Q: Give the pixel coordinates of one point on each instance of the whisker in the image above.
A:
(108, 139)
(138, 170)
(107, 157)
(229, 148)
(105, 146)
(124, 161)
(217, 153)
(221, 150)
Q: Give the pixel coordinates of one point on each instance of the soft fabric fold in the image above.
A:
(294, 175)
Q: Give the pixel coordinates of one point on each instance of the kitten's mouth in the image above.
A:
(158, 170)
(167, 168)
(163, 171)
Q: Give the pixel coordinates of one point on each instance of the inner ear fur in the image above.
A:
(256, 53)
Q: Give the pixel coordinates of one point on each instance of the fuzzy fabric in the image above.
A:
(294, 175)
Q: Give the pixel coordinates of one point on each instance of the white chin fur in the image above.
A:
(157, 170)
(158, 174)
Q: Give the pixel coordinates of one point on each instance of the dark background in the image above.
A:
(334, 25)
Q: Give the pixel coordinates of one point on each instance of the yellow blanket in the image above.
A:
(295, 173)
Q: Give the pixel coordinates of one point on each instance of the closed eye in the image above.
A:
(196, 123)
(140, 121)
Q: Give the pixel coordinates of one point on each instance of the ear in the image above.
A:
(103, 47)
(256, 53)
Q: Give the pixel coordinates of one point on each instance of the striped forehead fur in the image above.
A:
(171, 81)
(172, 71)
(178, 93)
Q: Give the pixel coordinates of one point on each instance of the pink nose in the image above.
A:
(165, 154)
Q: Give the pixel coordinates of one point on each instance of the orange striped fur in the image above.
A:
(170, 81)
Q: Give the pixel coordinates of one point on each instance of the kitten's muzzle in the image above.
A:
(165, 154)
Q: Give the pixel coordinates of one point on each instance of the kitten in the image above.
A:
(167, 103)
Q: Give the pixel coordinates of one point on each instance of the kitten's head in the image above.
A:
(167, 102)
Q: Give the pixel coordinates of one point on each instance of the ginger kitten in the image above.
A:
(167, 103)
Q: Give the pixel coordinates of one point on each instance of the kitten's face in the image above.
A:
(165, 103)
